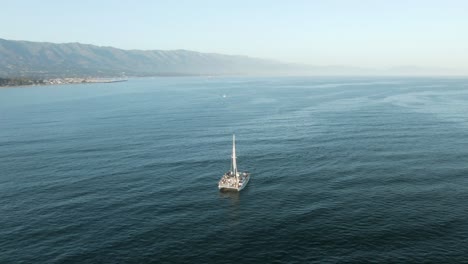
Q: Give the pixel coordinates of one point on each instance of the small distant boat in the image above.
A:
(233, 179)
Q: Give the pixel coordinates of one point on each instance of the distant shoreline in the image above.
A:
(26, 82)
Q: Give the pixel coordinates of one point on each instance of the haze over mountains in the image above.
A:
(24, 58)
(49, 60)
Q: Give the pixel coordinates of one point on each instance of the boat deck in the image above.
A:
(229, 181)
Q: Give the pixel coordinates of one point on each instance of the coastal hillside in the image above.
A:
(46, 60)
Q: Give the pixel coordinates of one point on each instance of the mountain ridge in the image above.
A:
(46, 59)
(42, 60)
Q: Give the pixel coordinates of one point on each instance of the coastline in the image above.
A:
(17, 83)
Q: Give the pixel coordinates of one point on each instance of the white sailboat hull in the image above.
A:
(229, 182)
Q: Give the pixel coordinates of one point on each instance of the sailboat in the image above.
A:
(233, 179)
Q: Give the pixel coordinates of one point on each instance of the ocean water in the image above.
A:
(344, 170)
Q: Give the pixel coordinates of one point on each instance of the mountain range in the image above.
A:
(51, 60)
(43, 59)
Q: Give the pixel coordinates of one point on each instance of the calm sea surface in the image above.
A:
(344, 170)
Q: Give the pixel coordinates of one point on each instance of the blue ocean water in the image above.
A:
(344, 170)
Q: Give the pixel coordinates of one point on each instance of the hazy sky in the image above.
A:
(361, 33)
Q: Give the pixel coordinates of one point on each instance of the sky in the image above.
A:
(366, 33)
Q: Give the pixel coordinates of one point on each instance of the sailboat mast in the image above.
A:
(234, 162)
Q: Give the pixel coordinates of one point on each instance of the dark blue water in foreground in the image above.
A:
(343, 170)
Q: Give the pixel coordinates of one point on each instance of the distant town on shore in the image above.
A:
(10, 82)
